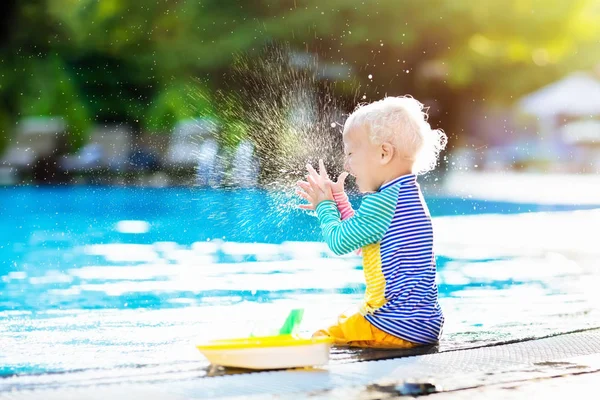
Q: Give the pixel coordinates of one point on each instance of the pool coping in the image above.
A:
(448, 371)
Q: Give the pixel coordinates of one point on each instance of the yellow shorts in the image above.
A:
(354, 330)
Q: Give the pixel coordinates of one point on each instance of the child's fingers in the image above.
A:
(304, 195)
(312, 172)
(303, 185)
(342, 177)
(322, 170)
(317, 183)
(314, 185)
(328, 191)
(306, 187)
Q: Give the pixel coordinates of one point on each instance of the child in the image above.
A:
(386, 144)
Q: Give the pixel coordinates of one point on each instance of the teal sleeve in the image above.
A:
(367, 226)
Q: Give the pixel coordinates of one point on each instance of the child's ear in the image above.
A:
(387, 153)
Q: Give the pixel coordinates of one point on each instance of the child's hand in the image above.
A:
(321, 190)
(307, 194)
(317, 188)
(336, 187)
(314, 193)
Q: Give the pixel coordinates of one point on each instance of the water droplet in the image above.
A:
(333, 124)
(370, 76)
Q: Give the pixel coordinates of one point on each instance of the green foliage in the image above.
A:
(142, 61)
(5, 124)
(175, 102)
(48, 90)
(463, 44)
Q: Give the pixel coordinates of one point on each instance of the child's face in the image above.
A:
(362, 159)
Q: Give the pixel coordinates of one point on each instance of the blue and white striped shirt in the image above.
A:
(393, 227)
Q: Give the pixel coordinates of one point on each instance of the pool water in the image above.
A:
(114, 279)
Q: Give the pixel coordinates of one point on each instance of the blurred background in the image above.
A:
(180, 92)
(149, 151)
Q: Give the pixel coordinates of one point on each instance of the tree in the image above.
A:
(122, 59)
(451, 52)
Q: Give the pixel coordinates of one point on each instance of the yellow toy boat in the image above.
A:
(286, 350)
(268, 352)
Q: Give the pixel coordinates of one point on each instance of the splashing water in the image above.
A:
(278, 101)
(290, 114)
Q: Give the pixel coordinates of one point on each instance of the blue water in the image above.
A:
(103, 278)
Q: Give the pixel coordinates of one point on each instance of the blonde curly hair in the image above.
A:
(402, 122)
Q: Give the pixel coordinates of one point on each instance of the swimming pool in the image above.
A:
(115, 279)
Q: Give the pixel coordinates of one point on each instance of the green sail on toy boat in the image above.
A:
(285, 350)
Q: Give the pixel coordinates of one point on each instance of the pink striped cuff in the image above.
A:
(343, 205)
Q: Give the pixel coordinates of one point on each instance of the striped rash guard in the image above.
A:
(394, 230)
